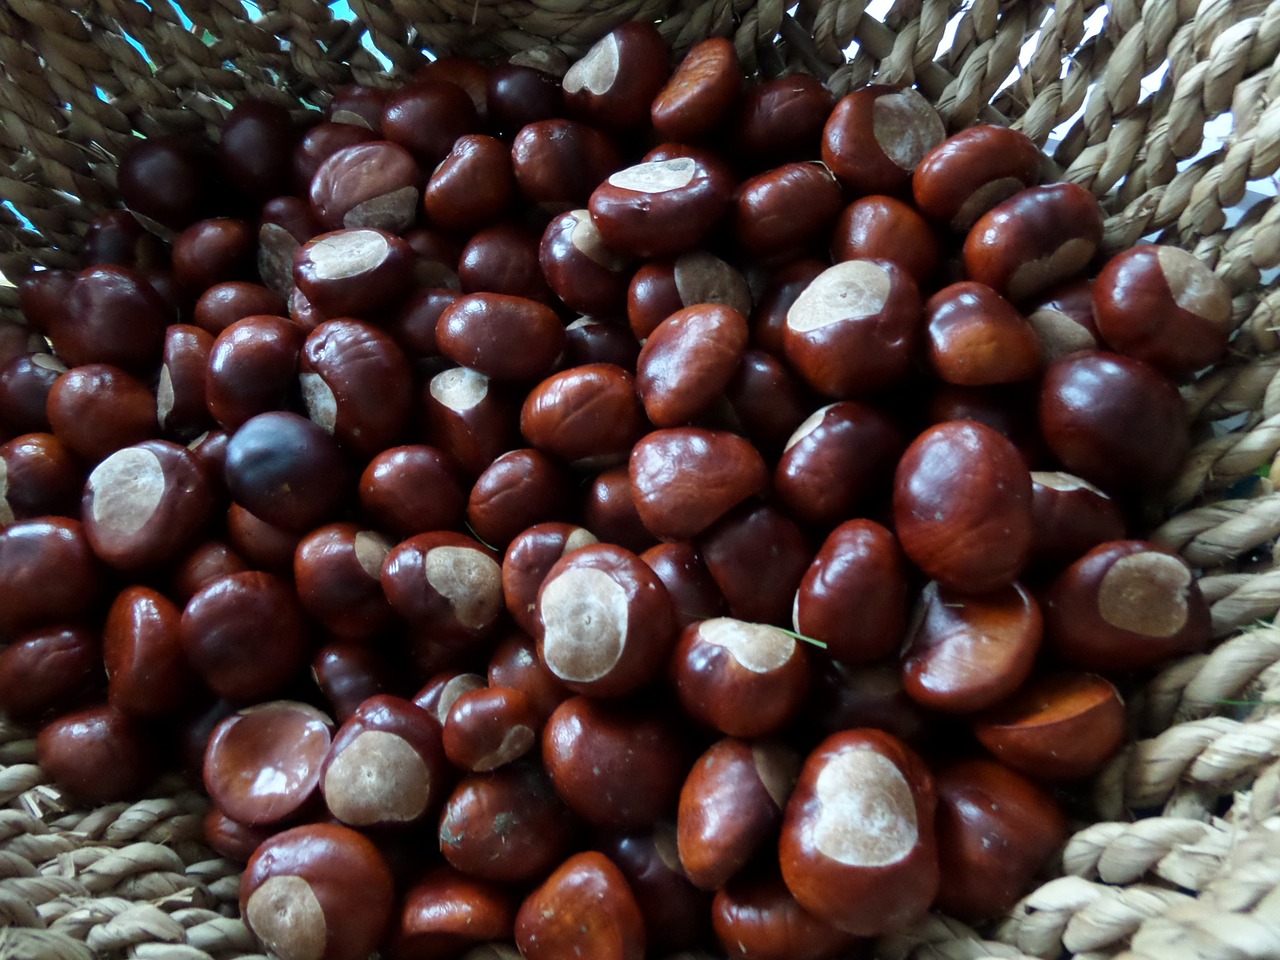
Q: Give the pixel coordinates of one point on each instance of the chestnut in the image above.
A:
(584, 908)
(609, 511)
(587, 415)
(443, 690)
(337, 572)
(505, 259)
(262, 764)
(693, 592)
(221, 631)
(285, 470)
(962, 506)
(111, 315)
(742, 679)
(412, 489)
(519, 489)
(687, 361)
(181, 406)
(663, 287)
(558, 163)
(213, 251)
(854, 329)
(1114, 421)
(48, 573)
(97, 755)
(26, 381)
(1071, 517)
(116, 237)
(785, 212)
(756, 918)
(514, 663)
(847, 695)
(530, 555)
(265, 546)
(147, 670)
(97, 409)
(731, 805)
(39, 476)
(318, 892)
(413, 325)
(1058, 727)
(1062, 318)
(615, 82)
(506, 826)
(876, 136)
(1161, 305)
(146, 504)
(446, 583)
(427, 115)
(1037, 238)
(781, 119)
(676, 914)
(614, 764)
(686, 478)
(205, 563)
(661, 207)
(163, 179)
(348, 673)
(357, 105)
(353, 271)
(836, 461)
(883, 228)
(473, 185)
(768, 401)
(996, 829)
(256, 148)
(853, 597)
(519, 93)
(758, 586)
(966, 653)
(971, 171)
(975, 337)
(445, 912)
(49, 670)
(235, 841)
(605, 623)
(584, 273)
(252, 368)
(357, 384)
(372, 184)
(1125, 605)
(489, 728)
(858, 847)
(386, 765)
(700, 93)
(469, 418)
(478, 331)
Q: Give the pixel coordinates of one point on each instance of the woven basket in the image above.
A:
(1136, 107)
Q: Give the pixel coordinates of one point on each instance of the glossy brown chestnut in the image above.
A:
(348, 673)
(445, 912)
(264, 546)
(858, 847)
(962, 506)
(445, 582)
(615, 765)
(686, 478)
(615, 82)
(837, 461)
(609, 511)
(530, 555)
(584, 908)
(1063, 319)
(222, 635)
(558, 163)
(974, 337)
(587, 415)
(116, 237)
(426, 116)
(262, 764)
(971, 171)
(730, 806)
(353, 272)
(235, 841)
(1125, 605)
(693, 591)
(147, 670)
(386, 765)
(605, 623)
(676, 914)
(854, 329)
(884, 228)
(1162, 305)
(1059, 727)
(758, 586)
(181, 407)
(97, 409)
(996, 829)
(700, 93)
(207, 562)
(1114, 421)
(318, 892)
(373, 184)
(521, 93)
(97, 755)
(162, 178)
(853, 597)
(412, 489)
(1037, 238)
(780, 119)
(440, 692)
(48, 671)
(662, 207)
(506, 826)
(473, 186)
(213, 251)
(357, 384)
(584, 273)
(48, 574)
(756, 918)
(145, 504)
(514, 663)
(223, 304)
(687, 362)
(111, 315)
(785, 212)
(469, 418)
(256, 148)
(478, 331)
(519, 489)
(967, 653)
(1071, 516)
(337, 572)
(742, 679)
(876, 136)
(489, 728)
(252, 368)
(25, 383)
(662, 287)
(505, 259)
(39, 476)
(846, 696)
(768, 401)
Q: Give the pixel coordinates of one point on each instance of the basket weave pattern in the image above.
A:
(1199, 874)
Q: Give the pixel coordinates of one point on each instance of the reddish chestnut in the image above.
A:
(585, 908)
(615, 82)
(489, 728)
(971, 171)
(700, 92)
(687, 361)
(147, 670)
(876, 136)
(98, 755)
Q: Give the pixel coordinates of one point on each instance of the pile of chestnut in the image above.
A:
(627, 513)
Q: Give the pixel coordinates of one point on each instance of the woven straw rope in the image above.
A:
(1192, 880)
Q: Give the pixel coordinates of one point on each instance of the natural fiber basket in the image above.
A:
(1170, 113)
